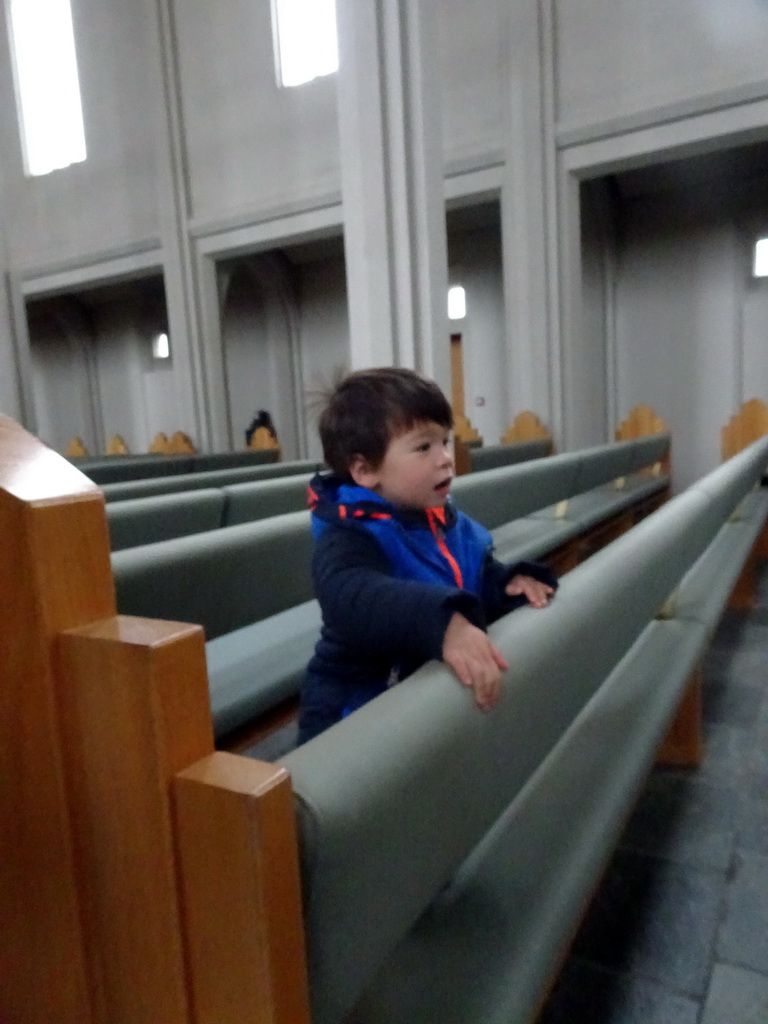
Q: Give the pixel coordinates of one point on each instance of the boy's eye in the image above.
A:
(423, 447)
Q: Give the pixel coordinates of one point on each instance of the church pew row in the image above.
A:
(144, 521)
(576, 503)
(743, 428)
(151, 516)
(167, 886)
(249, 585)
(525, 438)
(104, 469)
(447, 855)
(122, 490)
(154, 517)
(494, 455)
(136, 521)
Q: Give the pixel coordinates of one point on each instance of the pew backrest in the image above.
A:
(745, 427)
(136, 521)
(223, 579)
(494, 455)
(391, 800)
(260, 499)
(210, 478)
(498, 496)
(116, 468)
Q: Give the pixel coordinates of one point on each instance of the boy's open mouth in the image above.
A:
(444, 486)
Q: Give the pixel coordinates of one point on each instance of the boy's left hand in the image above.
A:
(538, 594)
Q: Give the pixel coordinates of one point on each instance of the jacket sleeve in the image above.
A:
(374, 612)
(496, 575)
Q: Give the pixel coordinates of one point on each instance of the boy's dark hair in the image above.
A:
(369, 407)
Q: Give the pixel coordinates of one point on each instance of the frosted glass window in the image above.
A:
(760, 268)
(47, 87)
(306, 45)
(457, 303)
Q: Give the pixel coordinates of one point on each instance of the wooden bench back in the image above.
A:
(164, 874)
(642, 421)
(526, 426)
(746, 426)
(98, 713)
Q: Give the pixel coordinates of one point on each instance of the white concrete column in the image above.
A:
(392, 185)
(15, 363)
(204, 417)
(529, 220)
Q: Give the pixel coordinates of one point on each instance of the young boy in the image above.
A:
(401, 576)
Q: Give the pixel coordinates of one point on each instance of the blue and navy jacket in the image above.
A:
(388, 581)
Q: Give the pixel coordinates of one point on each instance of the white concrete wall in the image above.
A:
(249, 144)
(324, 335)
(61, 384)
(588, 394)
(94, 375)
(474, 45)
(10, 397)
(110, 200)
(257, 337)
(475, 263)
(246, 355)
(188, 135)
(689, 342)
(620, 59)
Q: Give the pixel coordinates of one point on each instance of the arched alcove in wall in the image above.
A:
(666, 283)
(473, 231)
(284, 328)
(94, 370)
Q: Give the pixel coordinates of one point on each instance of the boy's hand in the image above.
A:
(538, 594)
(474, 660)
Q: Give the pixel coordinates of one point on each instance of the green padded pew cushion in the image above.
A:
(222, 579)
(210, 478)
(252, 669)
(147, 520)
(383, 796)
(584, 510)
(489, 944)
(706, 586)
(495, 455)
(496, 496)
(530, 538)
(263, 498)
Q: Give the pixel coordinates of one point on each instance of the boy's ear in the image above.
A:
(361, 472)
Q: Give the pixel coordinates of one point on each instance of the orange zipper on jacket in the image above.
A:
(435, 516)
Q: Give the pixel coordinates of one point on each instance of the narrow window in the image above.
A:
(457, 303)
(760, 266)
(47, 87)
(306, 46)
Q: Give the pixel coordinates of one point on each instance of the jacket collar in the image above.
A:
(333, 499)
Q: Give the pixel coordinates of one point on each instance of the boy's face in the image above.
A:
(417, 468)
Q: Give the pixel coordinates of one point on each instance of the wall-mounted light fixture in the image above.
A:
(760, 264)
(457, 303)
(161, 348)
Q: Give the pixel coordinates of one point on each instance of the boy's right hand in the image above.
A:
(474, 660)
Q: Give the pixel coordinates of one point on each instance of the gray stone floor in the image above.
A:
(678, 930)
